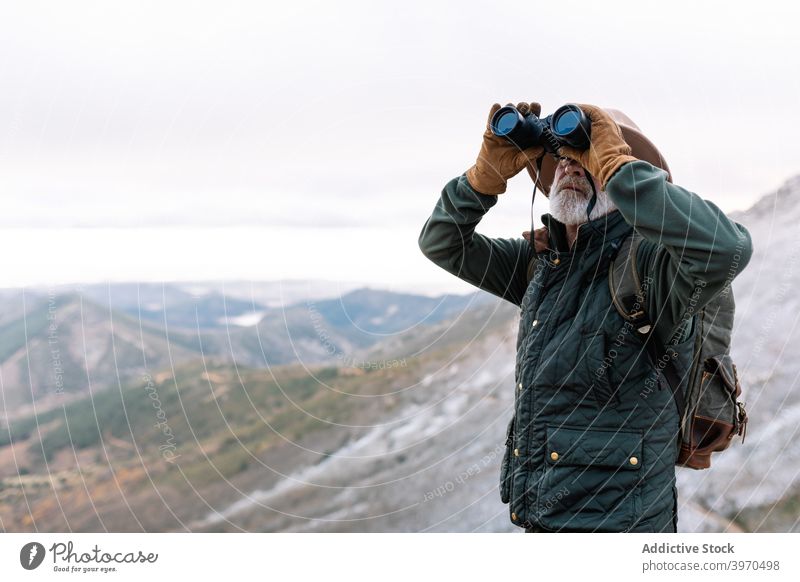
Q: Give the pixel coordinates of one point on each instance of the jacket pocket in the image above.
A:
(714, 415)
(597, 363)
(591, 478)
(505, 465)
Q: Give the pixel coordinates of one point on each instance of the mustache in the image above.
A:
(581, 184)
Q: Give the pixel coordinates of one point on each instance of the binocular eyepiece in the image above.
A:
(568, 125)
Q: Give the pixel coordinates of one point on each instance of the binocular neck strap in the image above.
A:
(593, 200)
(591, 204)
(539, 161)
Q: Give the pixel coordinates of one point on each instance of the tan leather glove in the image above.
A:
(499, 159)
(607, 150)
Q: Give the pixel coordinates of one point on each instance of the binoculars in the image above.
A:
(568, 125)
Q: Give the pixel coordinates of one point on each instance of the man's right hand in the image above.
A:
(499, 159)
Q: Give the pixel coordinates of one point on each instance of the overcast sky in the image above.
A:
(167, 141)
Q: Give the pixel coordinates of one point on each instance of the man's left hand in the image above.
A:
(540, 238)
(607, 150)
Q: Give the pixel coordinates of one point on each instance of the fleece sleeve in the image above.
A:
(448, 238)
(691, 249)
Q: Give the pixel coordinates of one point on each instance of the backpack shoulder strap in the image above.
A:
(629, 297)
(625, 284)
(532, 267)
(536, 245)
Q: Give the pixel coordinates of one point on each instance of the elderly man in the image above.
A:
(588, 448)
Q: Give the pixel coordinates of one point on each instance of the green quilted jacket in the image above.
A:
(592, 442)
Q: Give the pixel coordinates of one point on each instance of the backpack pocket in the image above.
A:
(590, 479)
(505, 464)
(714, 414)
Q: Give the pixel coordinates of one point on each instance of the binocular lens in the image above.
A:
(566, 123)
(506, 123)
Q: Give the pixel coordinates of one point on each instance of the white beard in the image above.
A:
(569, 207)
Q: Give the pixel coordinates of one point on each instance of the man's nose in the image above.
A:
(570, 167)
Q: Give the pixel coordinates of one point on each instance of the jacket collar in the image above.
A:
(594, 233)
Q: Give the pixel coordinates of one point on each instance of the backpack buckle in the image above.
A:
(741, 417)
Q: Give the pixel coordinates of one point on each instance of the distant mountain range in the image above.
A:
(67, 345)
(80, 341)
